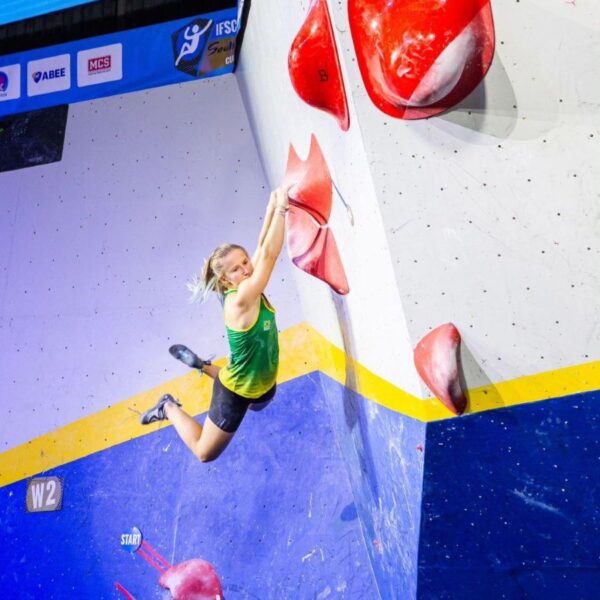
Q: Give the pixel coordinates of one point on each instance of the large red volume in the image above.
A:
(314, 65)
(419, 58)
(311, 244)
(436, 359)
(193, 579)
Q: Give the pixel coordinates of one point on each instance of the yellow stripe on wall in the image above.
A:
(120, 423)
(303, 351)
(530, 388)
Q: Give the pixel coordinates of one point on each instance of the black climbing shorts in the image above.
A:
(227, 409)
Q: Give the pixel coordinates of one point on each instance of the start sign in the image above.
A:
(131, 540)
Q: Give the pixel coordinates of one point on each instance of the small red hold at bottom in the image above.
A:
(193, 579)
(420, 448)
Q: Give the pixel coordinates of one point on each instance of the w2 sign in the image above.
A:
(44, 494)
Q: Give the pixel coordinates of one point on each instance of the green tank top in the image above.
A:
(254, 359)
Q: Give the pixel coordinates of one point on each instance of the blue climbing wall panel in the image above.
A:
(275, 514)
(510, 503)
(383, 452)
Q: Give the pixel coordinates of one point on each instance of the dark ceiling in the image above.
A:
(99, 18)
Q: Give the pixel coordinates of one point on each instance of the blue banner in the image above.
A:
(18, 10)
(117, 63)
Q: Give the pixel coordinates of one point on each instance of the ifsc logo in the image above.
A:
(228, 27)
(189, 44)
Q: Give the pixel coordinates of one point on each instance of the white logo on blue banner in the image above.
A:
(189, 43)
(99, 65)
(10, 82)
(49, 75)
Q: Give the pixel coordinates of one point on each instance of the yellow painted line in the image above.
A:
(530, 388)
(533, 388)
(303, 351)
(120, 423)
(339, 366)
(96, 432)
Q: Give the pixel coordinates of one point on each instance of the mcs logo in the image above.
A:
(99, 64)
(189, 44)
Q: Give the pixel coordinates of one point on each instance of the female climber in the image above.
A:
(248, 381)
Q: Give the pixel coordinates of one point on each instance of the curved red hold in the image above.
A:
(436, 359)
(311, 244)
(314, 66)
(193, 579)
(419, 58)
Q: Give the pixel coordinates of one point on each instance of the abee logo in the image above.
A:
(99, 65)
(53, 74)
(49, 75)
(189, 44)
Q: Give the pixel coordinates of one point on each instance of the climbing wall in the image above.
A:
(275, 519)
(95, 251)
(483, 215)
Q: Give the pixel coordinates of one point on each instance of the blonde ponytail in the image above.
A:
(210, 280)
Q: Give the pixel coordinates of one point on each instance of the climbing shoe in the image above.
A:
(187, 357)
(157, 412)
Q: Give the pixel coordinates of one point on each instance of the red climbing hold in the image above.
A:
(311, 244)
(193, 579)
(314, 66)
(420, 58)
(436, 359)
